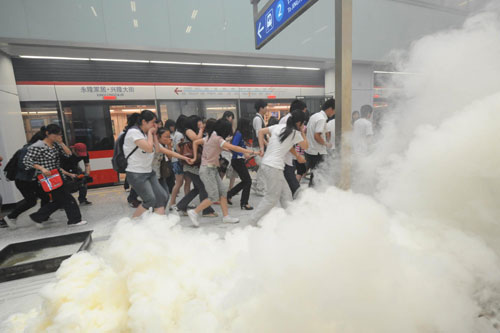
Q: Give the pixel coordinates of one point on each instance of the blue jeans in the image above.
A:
(148, 188)
(163, 182)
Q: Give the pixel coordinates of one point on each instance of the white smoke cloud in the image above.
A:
(418, 256)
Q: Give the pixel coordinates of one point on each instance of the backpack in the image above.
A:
(119, 161)
(22, 173)
(10, 169)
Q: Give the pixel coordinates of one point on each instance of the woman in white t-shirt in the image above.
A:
(282, 139)
(139, 146)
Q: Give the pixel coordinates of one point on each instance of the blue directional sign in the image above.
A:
(276, 16)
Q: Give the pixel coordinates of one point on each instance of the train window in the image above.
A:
(216, 109)
(36, 115)
(277, 108)
(120, 113)
(173, 109)
(90, 124)
(190, 108)
(170, 110)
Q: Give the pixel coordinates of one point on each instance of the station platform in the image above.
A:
(109, 205)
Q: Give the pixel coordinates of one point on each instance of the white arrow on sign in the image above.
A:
(259, 30)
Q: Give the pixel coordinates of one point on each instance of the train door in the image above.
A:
(38, 114)
(97, 125)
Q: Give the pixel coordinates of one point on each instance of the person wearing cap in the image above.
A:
(71, 168)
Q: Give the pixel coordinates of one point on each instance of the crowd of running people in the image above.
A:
(190, 155)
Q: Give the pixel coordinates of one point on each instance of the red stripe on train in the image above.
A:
(101, 177)
(100, 154)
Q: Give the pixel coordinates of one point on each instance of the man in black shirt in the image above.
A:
(73, 170)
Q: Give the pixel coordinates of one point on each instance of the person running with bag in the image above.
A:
(139, 146)
(45, 156)
(213, 145)
(27, 184)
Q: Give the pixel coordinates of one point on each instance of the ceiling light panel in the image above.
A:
(304, 68)
(224, 65)
(119, 60)
(265, 66)
(49, 57)
(174, 62)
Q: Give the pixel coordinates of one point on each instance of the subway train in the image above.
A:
(95, 113)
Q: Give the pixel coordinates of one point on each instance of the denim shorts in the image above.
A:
(178, 168)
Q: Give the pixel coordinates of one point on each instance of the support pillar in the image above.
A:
(12, 134)
(343, 86)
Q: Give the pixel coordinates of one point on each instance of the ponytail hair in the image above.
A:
(47, 130)
(136, 119)
(210, 125)
(296, 116)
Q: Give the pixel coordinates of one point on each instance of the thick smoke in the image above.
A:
(418, 255)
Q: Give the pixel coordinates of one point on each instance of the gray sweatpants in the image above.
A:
(277, 189)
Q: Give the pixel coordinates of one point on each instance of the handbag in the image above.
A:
(165, 168)
(186, 149)
(52, 182)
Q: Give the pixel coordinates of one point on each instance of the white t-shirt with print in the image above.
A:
(289, 156)
(316, 124)
(276, 150)
(139, 161)
(362, 129)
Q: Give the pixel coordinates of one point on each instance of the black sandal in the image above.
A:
(229, 201)
(247, 207)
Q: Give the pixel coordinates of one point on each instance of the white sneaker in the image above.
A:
(230, 219)
(10, 222)
(77, 223)
(193, 217)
